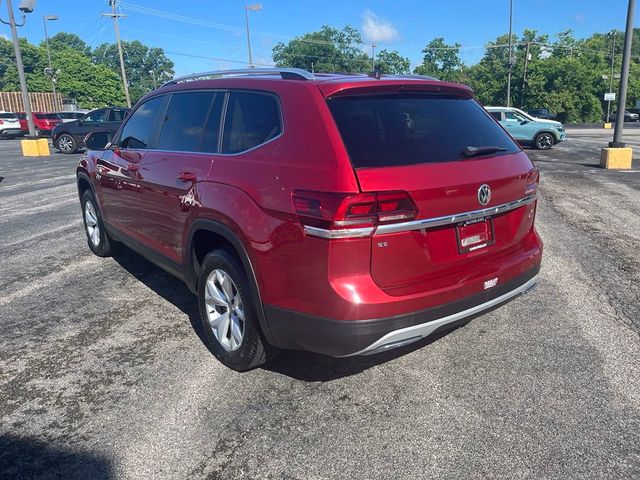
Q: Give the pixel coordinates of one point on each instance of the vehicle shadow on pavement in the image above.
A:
(313, 367)
(305, 366)
(22, 457)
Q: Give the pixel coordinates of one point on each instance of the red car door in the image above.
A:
(186, 146)
(118, 170)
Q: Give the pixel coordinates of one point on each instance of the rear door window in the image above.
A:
(408, 129)
(185, 120)
(496, 115)
(117, 115)
(139, 130)
(251, 120)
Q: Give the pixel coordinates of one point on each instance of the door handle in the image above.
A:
(187, 177)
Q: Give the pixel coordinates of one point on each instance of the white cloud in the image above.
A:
(377, 29)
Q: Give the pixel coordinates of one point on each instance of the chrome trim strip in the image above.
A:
(344, 233)
(458, 217)
(407, 335)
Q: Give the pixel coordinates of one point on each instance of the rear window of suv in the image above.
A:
(9, 116)
(47, 116)
(408, 129)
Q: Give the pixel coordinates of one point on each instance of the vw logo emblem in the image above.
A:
(484, 194)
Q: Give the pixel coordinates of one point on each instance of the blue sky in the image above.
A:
(191, 29)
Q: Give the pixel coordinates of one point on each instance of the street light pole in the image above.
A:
(510, 54)
(613, 50)
(254, 8)
(23, 81)
(624, 78)
(45, 18)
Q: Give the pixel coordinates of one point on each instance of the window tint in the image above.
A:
(9, 116)
(185, 121)
(139, 129)
(22, 116)
(97, 116)
(406, 129)
(252, 119)
(496, 115)
(48, 116)
(117, 115)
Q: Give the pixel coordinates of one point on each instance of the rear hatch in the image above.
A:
(472, 188)
(9, 121)
(48, 120)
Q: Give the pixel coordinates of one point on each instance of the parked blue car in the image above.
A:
(527, 130)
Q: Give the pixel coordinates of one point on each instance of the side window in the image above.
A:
(185, 120)
(496, 115)
(97, 116)
(513, 116)
(138, 132)
(252, 119)
(117, 115)
(212, 128)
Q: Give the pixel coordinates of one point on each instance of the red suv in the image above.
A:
(44, 122)
(340, 214)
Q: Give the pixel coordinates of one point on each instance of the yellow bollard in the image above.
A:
(30, 148)
(43, 147)
(616, 158)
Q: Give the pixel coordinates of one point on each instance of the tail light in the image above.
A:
(533, 179)
(1, 122)
(338, 215)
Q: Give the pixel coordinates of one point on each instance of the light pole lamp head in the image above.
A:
(27, 6)
(255, 7)
(51, 17)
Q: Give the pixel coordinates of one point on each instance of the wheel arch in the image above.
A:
(206, 235)
(549, 131)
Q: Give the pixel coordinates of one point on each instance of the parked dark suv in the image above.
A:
(341, 214)
(68, 137)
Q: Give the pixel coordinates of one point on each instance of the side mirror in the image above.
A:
(97, 140)
(524, 122)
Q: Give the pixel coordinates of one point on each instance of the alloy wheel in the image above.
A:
(545, 141)
(224, 308)
(65, 143)
(91, 223)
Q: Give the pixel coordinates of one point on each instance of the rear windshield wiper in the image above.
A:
(471, 151)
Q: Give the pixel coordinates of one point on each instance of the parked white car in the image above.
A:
(10, 125)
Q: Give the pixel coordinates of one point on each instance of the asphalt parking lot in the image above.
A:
(102, 374)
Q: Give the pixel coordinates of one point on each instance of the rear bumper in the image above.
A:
(10, 132)
(341, 338)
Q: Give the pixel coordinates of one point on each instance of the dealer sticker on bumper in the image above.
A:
(490, 283)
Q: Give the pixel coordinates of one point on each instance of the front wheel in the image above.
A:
(66, 143)
(97, 238)
(544, 141)
(228, 314)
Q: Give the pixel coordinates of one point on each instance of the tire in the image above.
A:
(66, 144)
(544, 141)
(228, 314)
(97, 238)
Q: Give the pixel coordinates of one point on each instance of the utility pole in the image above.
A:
(373, 57)
(613, 50)
(256, 7)
(115, 17)
(524, 75)
(510, 54)
(23, 81)
(624, 78)
(52, 73)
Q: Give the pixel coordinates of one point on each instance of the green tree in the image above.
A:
(441, 60)
(64, 40)
(327, 50)
(390, 61)
(92, 85)
(139, 61)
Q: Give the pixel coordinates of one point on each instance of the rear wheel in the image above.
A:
(97, 238)
(228, 314)
(544, 141)
(66, 143)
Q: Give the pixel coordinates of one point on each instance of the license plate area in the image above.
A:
(475, 235)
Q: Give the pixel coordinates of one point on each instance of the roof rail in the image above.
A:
(285, 73)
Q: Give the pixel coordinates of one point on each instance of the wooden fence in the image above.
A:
(40, 102)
